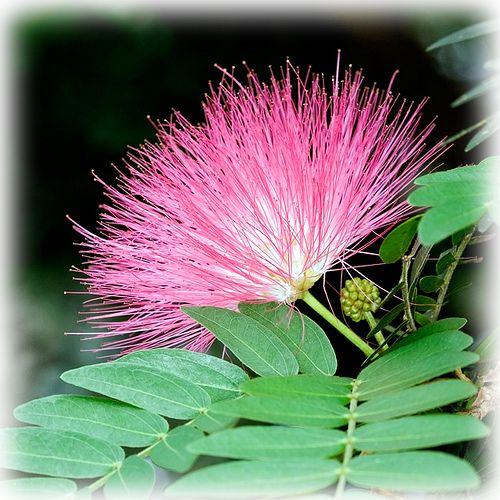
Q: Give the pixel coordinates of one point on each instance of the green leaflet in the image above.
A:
(315, 386)
(259, 478)
(412, 471)
(41, 488)
(212, 422)
(270, 442)
(458, 198)
(304, 411)
(416, 399)
(106, 419)
(312, 348)
(219, 378)
(134, 480)
(172, 453)
(143, 386)
(424, 431)
(397, 242)
(256, 346)
(57, 453)
(479, 29)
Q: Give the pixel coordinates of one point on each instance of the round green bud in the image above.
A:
(358, 297)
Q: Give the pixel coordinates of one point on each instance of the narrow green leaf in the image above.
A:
(490, 127)
(430, 284)
(423, 431)
(106, 419)
(488, 461)
(39, 488)
(416, 399)
(309, 343)
(257, 347)
(134, 480)
(308, 412)
(258, 478)
(172, 452)
(488, 491)
(268, 442)
(219, 378)
(143, 386)
(487, 85)
(386, 319)
(57, 453)
(412, 471)
(315, 386)
(211, 422)
(476, 30)
(397, 242)
(413, 363)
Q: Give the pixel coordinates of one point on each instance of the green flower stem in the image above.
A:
(449, 274)
(379, 337)
(349, 448)
(312, 302)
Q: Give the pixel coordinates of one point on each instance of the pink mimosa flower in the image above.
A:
(278, 186)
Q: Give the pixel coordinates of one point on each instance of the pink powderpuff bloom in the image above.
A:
(255, 205)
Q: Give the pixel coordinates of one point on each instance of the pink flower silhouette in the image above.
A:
(279, 185)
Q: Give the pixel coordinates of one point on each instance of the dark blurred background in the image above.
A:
(85, 84)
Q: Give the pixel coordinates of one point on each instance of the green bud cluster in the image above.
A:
(358, 297)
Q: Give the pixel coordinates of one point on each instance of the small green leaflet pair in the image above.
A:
(304, 428)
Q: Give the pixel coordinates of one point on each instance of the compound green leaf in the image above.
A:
(143, 386)
(312, 348)
(305, 411)
(106, 419)
(39, 488)
(458, 198)
(57, 453)
(416, 399)
(422, 431)
(397, 242)
(172, 452)
(268, 442)
(256, 479)
(479, 29)
(134, 480)
(412, 471)
(256, 346)
(219, 378)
